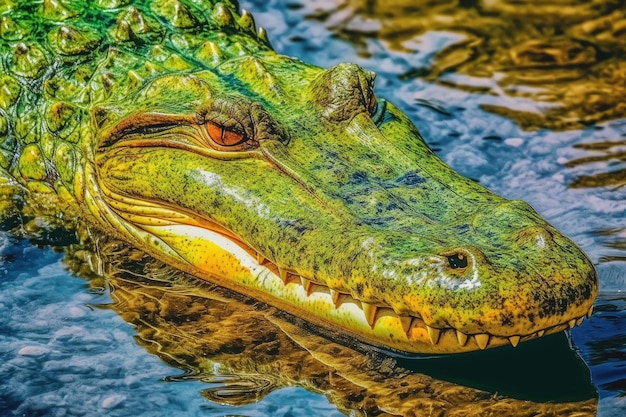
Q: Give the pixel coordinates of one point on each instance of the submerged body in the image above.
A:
(174, 125)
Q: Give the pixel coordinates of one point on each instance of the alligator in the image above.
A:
(175, 126)
(244, 350)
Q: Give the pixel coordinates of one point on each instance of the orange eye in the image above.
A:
(224, 137)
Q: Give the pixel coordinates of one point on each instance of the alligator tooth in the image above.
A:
(335, 297)
(260, 258)
(571, 323)
(482, 340)
(406, 321)
(514, 340)
(461, 337)
(282, 273)
(541, 333)
(370, 313)
(307, 285)
(433, 334)
(590, 312)
(579, 320)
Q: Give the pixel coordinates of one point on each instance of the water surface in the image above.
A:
(526, 100)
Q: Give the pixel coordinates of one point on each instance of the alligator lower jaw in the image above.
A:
(230, 265)
(213, 253)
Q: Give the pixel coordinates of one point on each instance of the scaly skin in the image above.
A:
(176, 126)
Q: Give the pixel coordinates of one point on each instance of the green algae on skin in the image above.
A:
(175, 126)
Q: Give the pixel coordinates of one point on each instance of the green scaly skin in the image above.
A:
(174, 125)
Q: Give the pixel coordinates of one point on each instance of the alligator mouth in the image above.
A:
(303, 296)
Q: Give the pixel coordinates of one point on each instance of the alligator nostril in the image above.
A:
(457, 260)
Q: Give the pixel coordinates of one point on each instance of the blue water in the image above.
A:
(61, 355)
(63, 352)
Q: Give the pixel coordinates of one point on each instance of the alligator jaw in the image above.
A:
(216, 254)
(314, 301)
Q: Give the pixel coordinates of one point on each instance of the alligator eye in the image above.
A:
(457, 261)
(223, 136)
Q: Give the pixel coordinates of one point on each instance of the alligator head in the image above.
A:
(296, 185)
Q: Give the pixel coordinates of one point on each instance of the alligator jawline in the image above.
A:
(304, 294)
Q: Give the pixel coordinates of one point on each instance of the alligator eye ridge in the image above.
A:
(457, 261)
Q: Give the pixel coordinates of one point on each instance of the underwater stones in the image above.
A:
(9, 91)
(176, 13)
(55, 10)
(108, 81)
(68, 40)
(151, 69)
(28, 61)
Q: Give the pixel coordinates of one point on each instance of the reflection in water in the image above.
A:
(603, 346)
(606, 153)
(563, 61)
(243, 350)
